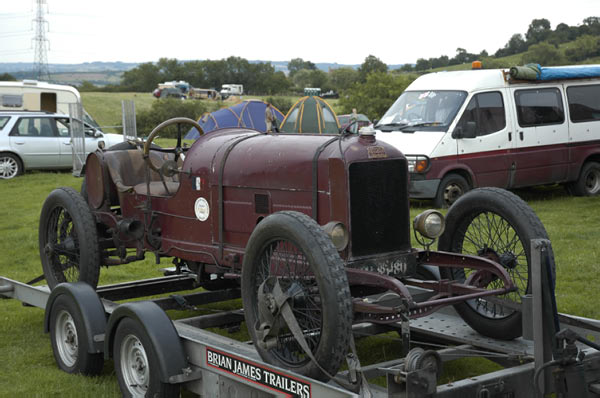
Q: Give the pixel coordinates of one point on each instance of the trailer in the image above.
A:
(87, 327)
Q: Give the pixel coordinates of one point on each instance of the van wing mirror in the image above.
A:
(467, 130)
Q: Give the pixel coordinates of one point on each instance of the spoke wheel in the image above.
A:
(498, 225)
(68, 239)
(291, 250)
(10, 166)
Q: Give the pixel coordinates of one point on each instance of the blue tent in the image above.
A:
(248, 113)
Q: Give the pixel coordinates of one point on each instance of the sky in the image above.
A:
(345, 32)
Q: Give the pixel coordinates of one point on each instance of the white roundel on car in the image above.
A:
(202, 209)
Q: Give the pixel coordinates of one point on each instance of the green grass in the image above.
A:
(27, 367)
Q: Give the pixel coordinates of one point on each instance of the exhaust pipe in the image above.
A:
(131, 228)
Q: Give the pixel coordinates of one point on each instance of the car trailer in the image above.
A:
(556, 355)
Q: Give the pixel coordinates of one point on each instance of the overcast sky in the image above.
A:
(345, 32)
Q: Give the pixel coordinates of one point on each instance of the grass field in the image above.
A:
(28, 369)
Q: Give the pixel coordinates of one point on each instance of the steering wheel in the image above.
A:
(170, 167)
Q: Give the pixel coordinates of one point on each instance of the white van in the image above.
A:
(32, 95)
(477, 128)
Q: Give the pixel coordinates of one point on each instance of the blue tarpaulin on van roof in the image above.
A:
(537, 72)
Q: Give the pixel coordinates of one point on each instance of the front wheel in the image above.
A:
(290, 253)
(452, 187)
(68, 240)
(498, 225)
(136, 363)
(69, 339)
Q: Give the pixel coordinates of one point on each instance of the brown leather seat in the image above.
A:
(128, 170)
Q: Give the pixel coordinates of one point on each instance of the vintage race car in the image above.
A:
(312, 228)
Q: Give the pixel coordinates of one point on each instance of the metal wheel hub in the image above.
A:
(592, 182)
(134, 366)
(452, 192)
(66, 338)
(8, 167)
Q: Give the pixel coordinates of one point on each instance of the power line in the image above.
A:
(40, 61)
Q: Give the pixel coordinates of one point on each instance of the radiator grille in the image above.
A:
(379, 210)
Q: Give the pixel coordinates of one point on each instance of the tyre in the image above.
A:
(136, 363)
(498, 225)
(292, 249)
(588, 183)
(68, 239)
(452, 187)
(69, 339)
(10, 166)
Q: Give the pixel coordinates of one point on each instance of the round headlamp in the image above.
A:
(338, 234)
(430, 224)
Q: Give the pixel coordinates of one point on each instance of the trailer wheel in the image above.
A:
(292, 249)
(69, 340)
(136, 363)
(68, 239)
(452, 187)
(588, 183)
(496, 224)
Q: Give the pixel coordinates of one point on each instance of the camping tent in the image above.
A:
(310, 115)
(249, 113)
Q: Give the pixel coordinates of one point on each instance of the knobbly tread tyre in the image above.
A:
(439, 201)
(87, 363)
(578, 187)
(85, 227)
(333, 344)
(156, 388)
(527, 226)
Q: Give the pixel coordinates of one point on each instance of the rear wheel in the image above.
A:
(588, 183)
(498, 225)
(68, 239)
(290, 249)
(452, 187)
(136, 363)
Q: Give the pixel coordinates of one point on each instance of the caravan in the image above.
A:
(478, 128)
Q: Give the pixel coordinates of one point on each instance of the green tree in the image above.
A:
(343, 78)
(422, 64)
(310, 78)
(543, 53)
(7, 77)
(372, 64)
(142, 78)
(298, 64)
(538, 31)
(376, 95)
(585, 46)
(164, 109)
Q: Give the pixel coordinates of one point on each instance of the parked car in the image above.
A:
(466, 129)
(361, 121)
(42, 140)
(330, 94)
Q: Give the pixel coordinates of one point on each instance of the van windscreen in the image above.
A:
(423, 110)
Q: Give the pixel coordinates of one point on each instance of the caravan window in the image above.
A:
(12, 101)
(584, 103)
(538, 107)
(487, 111)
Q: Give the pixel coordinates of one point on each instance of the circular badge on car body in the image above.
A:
(202, 209)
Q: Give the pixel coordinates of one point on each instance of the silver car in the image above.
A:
(41, 140)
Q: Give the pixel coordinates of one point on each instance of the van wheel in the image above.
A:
(452, 187)
(588, 183)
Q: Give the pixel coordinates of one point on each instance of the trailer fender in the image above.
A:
(160, 330)
(90, 307)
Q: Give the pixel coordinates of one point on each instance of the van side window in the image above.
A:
(487, 111)
(537, 107)
(584, 103)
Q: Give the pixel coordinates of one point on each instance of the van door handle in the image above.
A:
(521, 135)
(510, 136)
